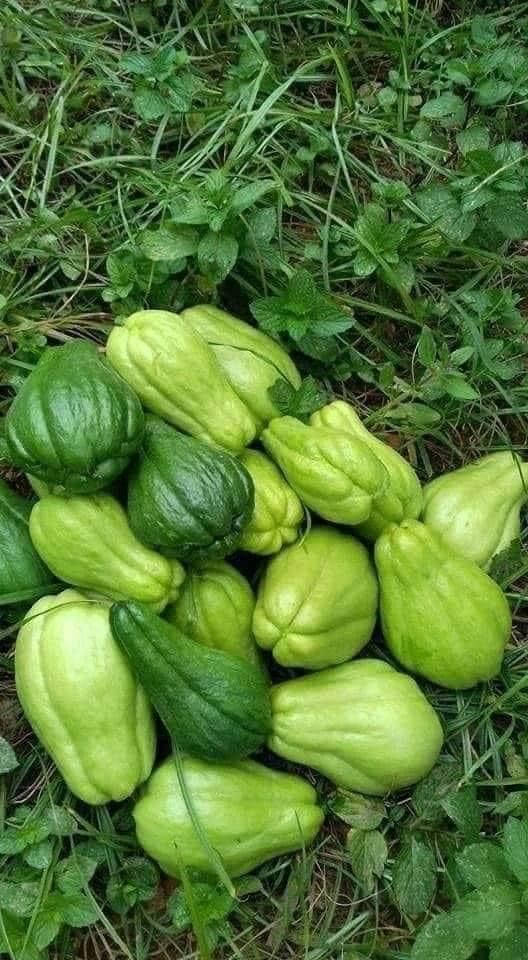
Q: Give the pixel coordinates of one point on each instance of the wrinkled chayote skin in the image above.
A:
(87, 541)
(249, 813)
(176, 375)
(278, 512)
(403, 498)
(82, 699)
(251, 361)
(75, 423)
(476, 509)
(332, 471)
(362, 724)
(442, 616)
(317, 601)
(215, 607)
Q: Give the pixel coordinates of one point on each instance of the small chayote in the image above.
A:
(176, 374)
(403, 498)
(87, 541)
(333, 472)
(476, 509)
(317, 601)
(442, 616)
(249, 812)
(278, 512)
(362, 724)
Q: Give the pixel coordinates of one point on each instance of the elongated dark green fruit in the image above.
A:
(214, 706)
(23, 575)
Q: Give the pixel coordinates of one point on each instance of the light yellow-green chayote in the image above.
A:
(250, 813)
(278, 512)
(87, 541)
(251, 361)
(82, 699)
(403, 498)
(476, 509)
(317, 601)
(442, 616)
(176, 374)
(332, 471)
(215, 607)
(362, 724)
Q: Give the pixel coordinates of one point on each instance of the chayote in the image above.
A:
(214, 607)
(251, 361)
(332, 471)
(403, 498)
(87, 541)
(476, 509)
(186, 498)
(249, 813)
(278, 512)
(317, 601)
(23, 576)
(82, 699)
(442, 616)
(176, 374)
(362, 724)
(75, 423)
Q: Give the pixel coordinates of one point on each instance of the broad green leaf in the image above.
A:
(418, 414)
(426, 347)
(474, 137)
(39, 855)
(448, 108)
(367, 851)
(262, 224)
(515, 844)
(491, 91)
(8, 760)
(461, 356)
(18, 898)
(13, 940)
(180, 91)
(364, 263)
(15, 840)
(504, 566)
(357, 810)
(168, 243)
(509, 216)
(414, 877)
(135, 881)
(61, 823)
(149, 103)
(245, 197)
(137, 63)
(428, 794)
(443, 938)
(441, 208)
(514, 946)
(490, 913)
(457, 386)
(74, 872)
(299, 403)
(483, 864)
(462, 807)
(212, 901)
(217, 255)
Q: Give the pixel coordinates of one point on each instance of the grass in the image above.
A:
(381, 143)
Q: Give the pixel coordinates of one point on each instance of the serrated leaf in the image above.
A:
(514, 946)
(357, 810)
(8, 760)
(426, 347)
(515, 844)
(448, 108)
(299, 403)
(414, 877)
(490, 913)
(74, 872)
(367, 851)
(262, 224)
(509, 216)
(135, 881)
(483, 864)
(475, 137)
(39, 855)
(505, 565)
(136, 63)
(180, 91)
(364, 264)
(247, 196)
(19, 898)
(443, 938)
(418, 414)
(438, 784)
(441, 208)
(149, 103)
(217, 255)
(457, 386)
(169, 244)
(492, 91)
(461, 356)
(14, 941)
(462, 807)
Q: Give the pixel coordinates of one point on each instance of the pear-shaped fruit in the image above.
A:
(442, 616)
(476, 509)
(278, 512)
(403, 498)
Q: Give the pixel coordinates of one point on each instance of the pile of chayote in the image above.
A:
(153, 464)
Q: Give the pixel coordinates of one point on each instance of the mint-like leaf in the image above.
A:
(414, 877)
(299, 403)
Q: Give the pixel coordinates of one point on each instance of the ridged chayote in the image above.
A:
(82, 699)
(317, 601)
(332, 471)
(249, 813)
(278, 512)
(176, 375)
(442, 616)
(403, 498)
(87, 541)
(476, 509)
(362, 724)
(251, 361)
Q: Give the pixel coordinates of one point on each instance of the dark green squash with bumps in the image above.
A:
(23, 575)
(186, 498)
(214, 705)
(75, 422)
